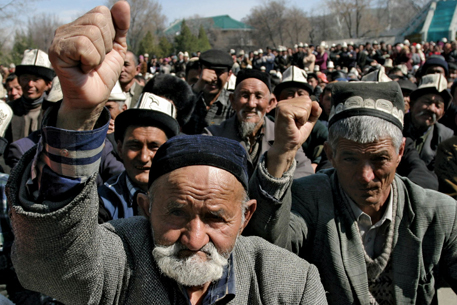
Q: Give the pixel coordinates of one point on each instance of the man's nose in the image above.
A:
(432, 107)
(367, 173)
(252, 103)
(195, 237)
(146, 155)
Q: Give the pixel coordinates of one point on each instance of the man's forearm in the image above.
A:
(279, 161)
(78, 119)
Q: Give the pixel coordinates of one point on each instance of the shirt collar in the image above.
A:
(224, 288)
(132, 89)
(132, 189)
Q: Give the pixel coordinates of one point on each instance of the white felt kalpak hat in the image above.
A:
(36, 62)
(56, 91)
(6, 114)
(293, 77)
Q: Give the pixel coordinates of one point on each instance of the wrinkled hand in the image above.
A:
(295, 119)
(88, 55)
(207, 76)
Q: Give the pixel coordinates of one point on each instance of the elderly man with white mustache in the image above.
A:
(188, 250)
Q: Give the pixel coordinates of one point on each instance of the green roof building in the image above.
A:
(223, 31)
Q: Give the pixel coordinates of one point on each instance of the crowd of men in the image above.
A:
(292, 176)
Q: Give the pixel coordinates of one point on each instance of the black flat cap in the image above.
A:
(188, 150)
(216, 59)
(383, 100)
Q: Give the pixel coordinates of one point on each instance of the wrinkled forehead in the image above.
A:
(382, 145)
(250, 84)
(201, 181)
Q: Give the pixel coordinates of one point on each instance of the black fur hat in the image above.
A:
(176, 90)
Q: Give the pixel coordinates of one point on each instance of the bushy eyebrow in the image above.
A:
(221, 213)
(175, 205)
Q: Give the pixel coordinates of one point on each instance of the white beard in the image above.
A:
(193, 270)
(247, 128)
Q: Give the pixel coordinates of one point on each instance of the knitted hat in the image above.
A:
(36, 62)
(191, 150)
(382, 100)
(435, 61)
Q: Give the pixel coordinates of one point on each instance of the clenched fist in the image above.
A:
(88, 55)
(295, 119)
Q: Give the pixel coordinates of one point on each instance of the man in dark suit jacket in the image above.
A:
(375, 237)
(250, 126)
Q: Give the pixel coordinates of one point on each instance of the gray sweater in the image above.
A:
(64, 253)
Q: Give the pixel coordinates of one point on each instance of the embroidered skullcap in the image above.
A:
(382, 100)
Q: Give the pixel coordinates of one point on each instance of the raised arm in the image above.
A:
(272, 179)
(295, 119)
(88, 55)
(59, 249)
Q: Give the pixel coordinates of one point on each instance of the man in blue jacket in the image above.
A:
(139, 133)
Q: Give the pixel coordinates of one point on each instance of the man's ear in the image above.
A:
(231, 98)
(124, 107)
(48, 85)
(272, 103)
(143, 202)
(251, 207)
(401, 150)
(329, 152)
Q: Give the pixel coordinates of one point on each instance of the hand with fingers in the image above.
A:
(88, 55)
(207, 77)
(295, 119)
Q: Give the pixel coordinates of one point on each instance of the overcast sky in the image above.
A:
(68, 10)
